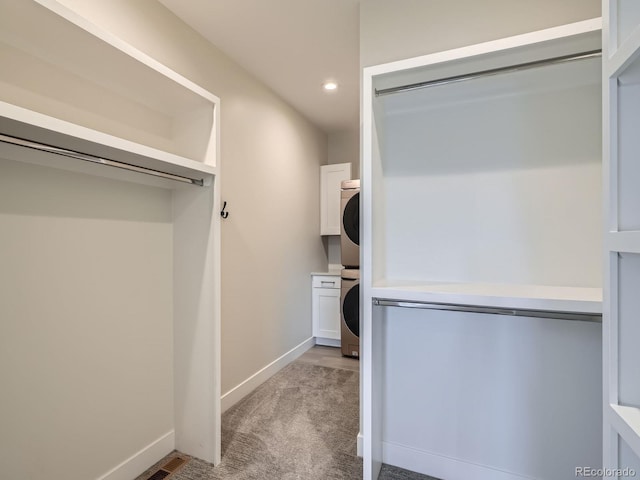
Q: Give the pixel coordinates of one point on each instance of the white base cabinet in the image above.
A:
(325, 305)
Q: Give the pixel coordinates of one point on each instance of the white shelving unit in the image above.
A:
(621, 328)
(481, 193)
(121, 98)
(76, 87)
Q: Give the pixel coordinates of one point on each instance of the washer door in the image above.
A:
(351, 310)
(351, 219)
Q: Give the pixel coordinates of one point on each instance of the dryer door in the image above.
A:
(350, 235)
(351, 309)
(351, 219)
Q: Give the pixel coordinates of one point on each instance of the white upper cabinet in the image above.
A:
(331, 176)
(621, 322)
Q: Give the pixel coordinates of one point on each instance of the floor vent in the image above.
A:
(174, 464)
(169, 468)
(159, 475)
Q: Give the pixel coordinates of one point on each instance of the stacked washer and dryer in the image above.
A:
(350, 257)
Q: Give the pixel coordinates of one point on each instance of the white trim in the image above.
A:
(328, 342)
(610, 212)
(437, 465)
(241, 390)
(196, 313)
(139, 462)
(359, 444)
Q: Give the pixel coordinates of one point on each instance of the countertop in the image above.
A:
(329, 272)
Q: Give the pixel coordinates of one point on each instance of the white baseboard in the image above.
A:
(238, 392)
(439, 466)
(359, 445)
(139, 462)
(328, 342)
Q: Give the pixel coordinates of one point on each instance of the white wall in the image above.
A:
(407, 28)
(490, 398)
(270, 178)
(86, 346)
(344, 147)
(495, 188)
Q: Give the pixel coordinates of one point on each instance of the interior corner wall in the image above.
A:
(270, 158)
(86, 329)
(343, 147)
(388, 32)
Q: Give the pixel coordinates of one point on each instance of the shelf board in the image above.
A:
(624, 57)
(552, 42)
(626, 421)
(526, 297)
(623, 242)
(22, 123)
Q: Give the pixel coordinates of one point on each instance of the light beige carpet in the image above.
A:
(301, 424)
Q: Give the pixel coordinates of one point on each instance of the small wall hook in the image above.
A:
(224, 214)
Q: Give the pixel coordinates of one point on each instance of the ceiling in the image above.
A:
(292, 46)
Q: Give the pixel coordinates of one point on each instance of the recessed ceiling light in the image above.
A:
(330, 86)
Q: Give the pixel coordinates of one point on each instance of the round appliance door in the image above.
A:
(351, 310)
(351, 219)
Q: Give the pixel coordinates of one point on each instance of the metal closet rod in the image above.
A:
(487, 73)
(94, 159)
(517, 312)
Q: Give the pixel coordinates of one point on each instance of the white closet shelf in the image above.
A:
(577, 37)
(624, 242)
(626, 421)
(522, 297)
(76, 79)
(625, 56)
(28, 125)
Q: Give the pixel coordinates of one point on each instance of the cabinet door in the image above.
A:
(621, 318)
(331, 176)
(326, 313)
